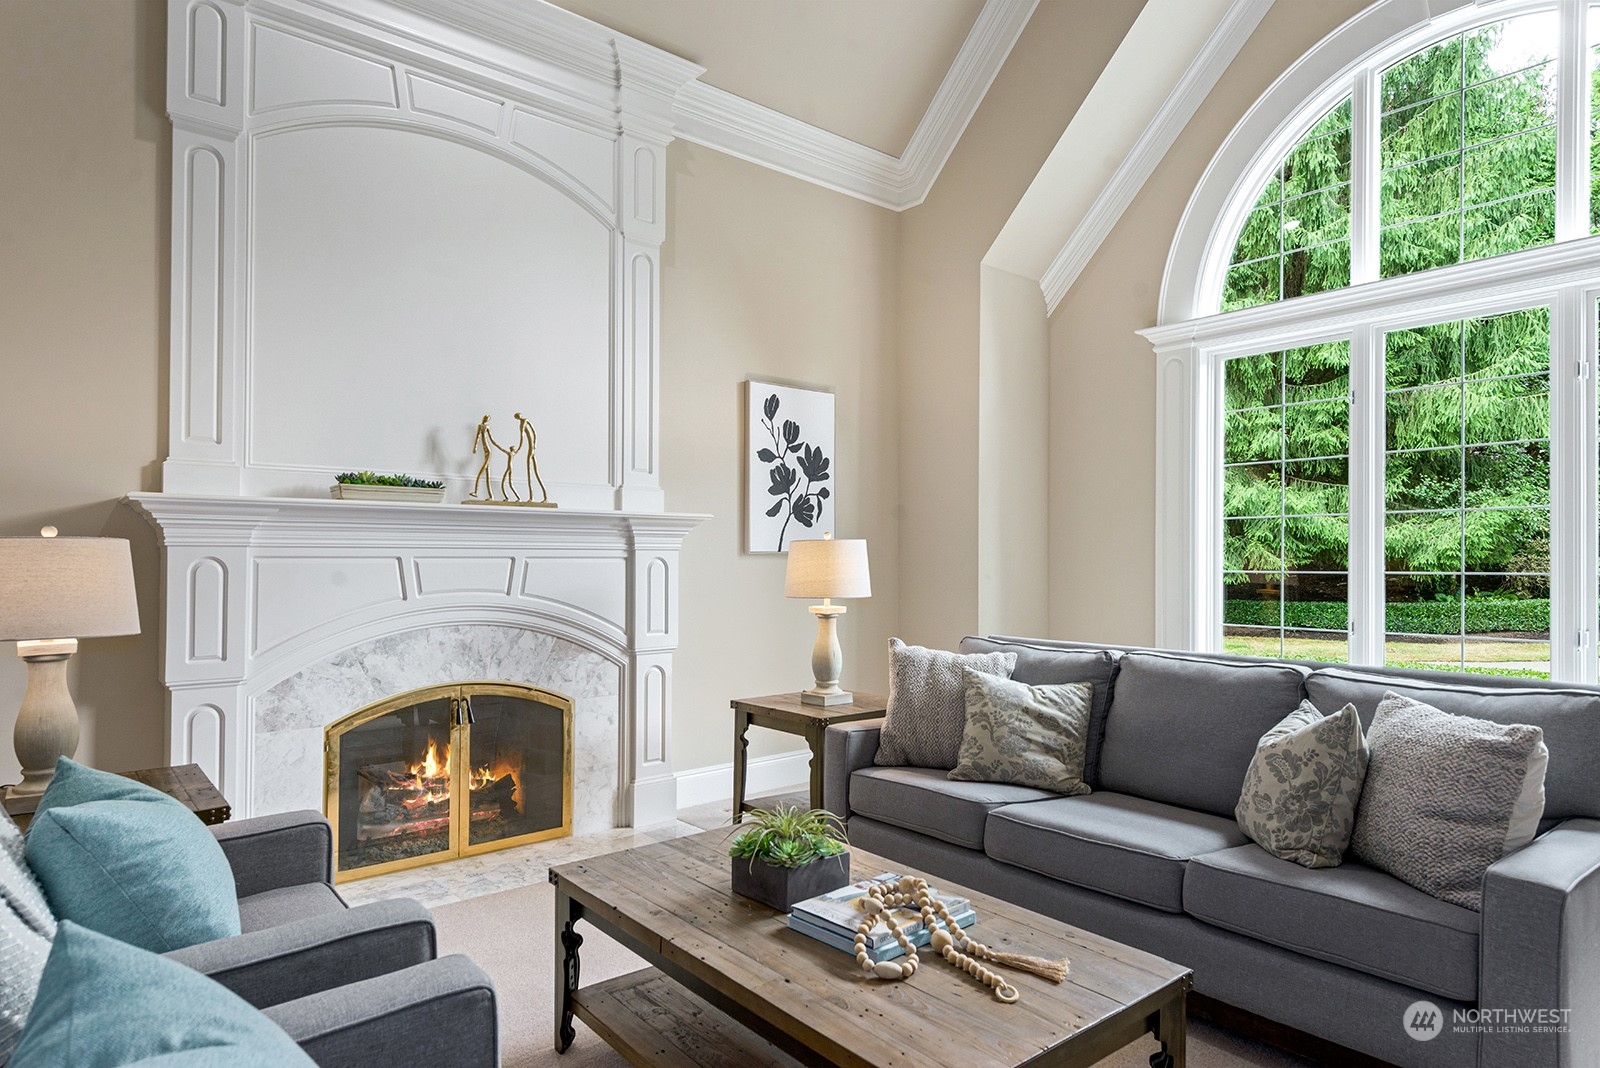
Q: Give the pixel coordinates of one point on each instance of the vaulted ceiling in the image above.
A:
(864, 70)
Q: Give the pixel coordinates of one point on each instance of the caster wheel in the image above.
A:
(1162, 1059)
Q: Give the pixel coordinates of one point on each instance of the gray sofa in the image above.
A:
(1154, 858)
(356, 988)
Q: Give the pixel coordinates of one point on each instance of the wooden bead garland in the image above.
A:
(881, 899)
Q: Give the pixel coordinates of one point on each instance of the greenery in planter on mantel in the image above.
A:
(368, 478)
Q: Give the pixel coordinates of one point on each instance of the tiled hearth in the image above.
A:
(458, 880)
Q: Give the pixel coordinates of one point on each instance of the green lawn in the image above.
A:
(1482, 655)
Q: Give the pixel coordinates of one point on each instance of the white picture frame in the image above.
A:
(789, 464)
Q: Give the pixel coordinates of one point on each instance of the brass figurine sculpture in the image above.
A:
(485, 443)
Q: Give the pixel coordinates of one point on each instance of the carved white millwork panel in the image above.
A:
(431, 97)
(651, 713)
(658, 598)
(586, 157)
(654, 710)
(596, 587)
(203, 742)
(290, 71)
(205, 44)
(644, 190)
(641, 484)
(202, 340)
(295, 593)
(207, 37)
(451, 574)
(208, 611)
(643, 201)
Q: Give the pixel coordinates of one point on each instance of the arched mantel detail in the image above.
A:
(585, 110)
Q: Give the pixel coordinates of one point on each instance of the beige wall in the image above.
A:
(83, 273)
(1102, 376)
(766, 275)
(943, 242)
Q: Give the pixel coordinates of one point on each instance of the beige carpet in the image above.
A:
(510, 935)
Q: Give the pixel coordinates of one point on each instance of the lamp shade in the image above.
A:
(66, 588)
(828, 568)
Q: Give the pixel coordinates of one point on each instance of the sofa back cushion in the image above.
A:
(1038, 665)
(1183, 729)
(1569, 718)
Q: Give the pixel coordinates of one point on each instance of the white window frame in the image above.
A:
(1193, 340)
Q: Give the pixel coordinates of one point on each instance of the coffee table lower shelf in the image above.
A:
(653, 1021)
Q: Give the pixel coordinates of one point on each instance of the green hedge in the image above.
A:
(1484, 615)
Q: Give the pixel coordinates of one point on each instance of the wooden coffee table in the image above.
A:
(730, 985)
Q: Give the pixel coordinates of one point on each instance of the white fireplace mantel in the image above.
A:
(258, 589)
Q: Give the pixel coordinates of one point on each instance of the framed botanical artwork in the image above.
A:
(789, 465)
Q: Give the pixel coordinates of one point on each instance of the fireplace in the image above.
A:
(447, 771)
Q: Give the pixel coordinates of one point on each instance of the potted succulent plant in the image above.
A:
(367, 486)
(786, 854)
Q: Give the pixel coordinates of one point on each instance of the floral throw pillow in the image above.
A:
(1301, 791)
(1027, 735)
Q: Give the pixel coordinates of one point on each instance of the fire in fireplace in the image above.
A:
(448, 771)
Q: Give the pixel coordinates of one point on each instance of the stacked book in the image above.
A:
(833, 918)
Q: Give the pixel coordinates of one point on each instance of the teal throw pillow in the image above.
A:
(103, 1004)
(74, 784)
(139, 866)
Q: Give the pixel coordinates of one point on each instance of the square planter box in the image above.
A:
(780, 888)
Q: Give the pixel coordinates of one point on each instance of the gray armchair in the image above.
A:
(355, 987)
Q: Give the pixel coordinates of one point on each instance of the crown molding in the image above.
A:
(720, 120)
(1147, 152)
(956, 101)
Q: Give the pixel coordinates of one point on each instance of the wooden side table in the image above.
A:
(785, 712)
(186, 782)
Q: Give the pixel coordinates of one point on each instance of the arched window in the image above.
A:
(1377, 401)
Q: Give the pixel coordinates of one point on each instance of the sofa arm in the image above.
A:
(293, 960)
(846, 748)
(269, 852)
(441, 1014)
(1541, 950)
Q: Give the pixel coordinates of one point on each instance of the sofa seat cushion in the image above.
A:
(1351, 915)
(271, 908)
(924, 800)
(1120, 845)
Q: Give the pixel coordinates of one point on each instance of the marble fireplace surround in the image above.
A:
(283, 615)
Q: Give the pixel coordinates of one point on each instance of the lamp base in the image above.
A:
(822, 697)
(47, 722)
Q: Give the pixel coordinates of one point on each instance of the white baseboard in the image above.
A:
(701, 786)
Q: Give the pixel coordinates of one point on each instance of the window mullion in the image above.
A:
(1364, 160)
(1572, 123)
(1366, 497)
(1573, 577)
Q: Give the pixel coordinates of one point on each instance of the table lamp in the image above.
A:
(54, 591)
(827, 569)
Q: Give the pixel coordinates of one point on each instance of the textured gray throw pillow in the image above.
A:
(1447, 796)
(1301, 790)
(927, 710)
(1027, 735)
(26, 928)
